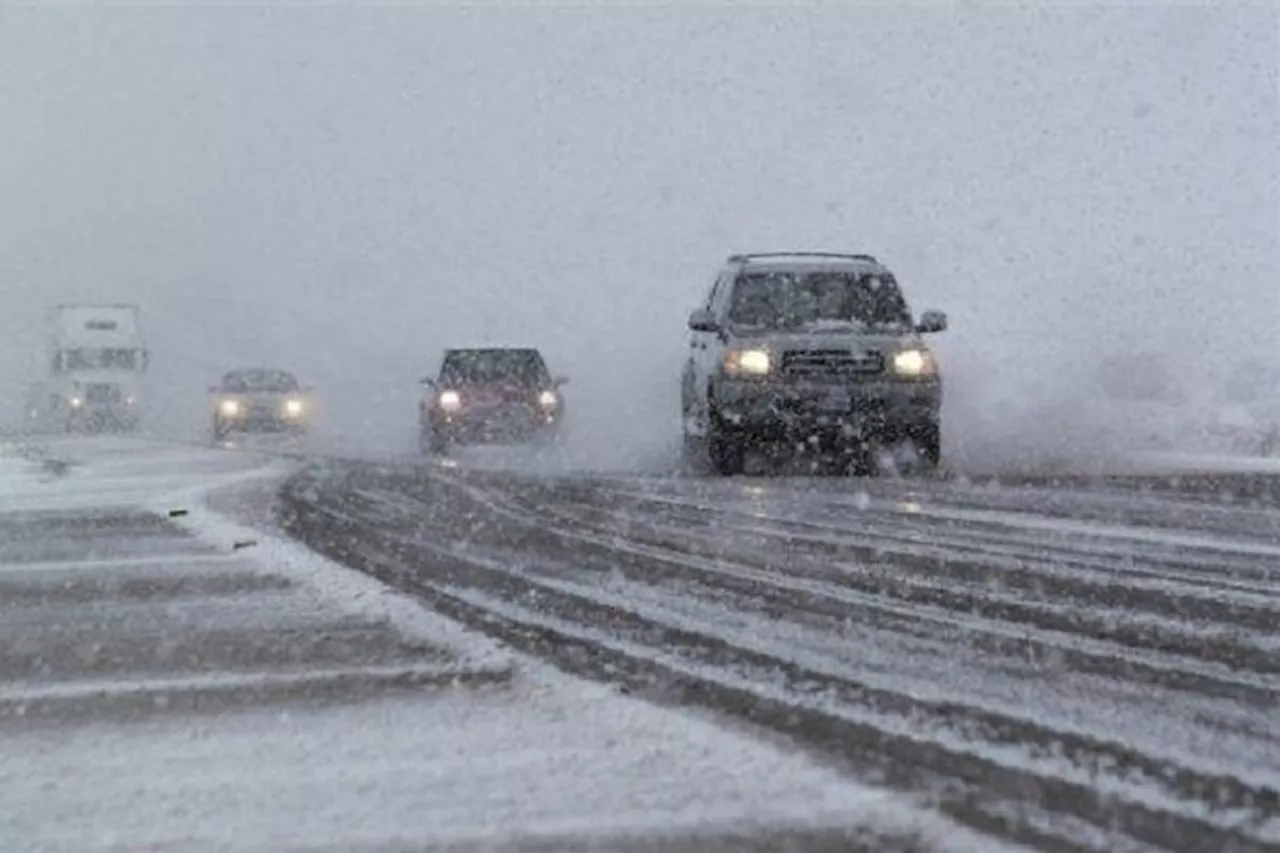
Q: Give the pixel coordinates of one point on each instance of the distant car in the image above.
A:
(260, 400)
(490, 395)
(805, 349)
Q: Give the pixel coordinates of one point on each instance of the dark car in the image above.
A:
(490, 395)
(808, 349)
(260, 400)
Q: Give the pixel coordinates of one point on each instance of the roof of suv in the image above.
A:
(794, 260)
(490, 348)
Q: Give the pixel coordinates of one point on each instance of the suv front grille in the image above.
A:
(830, 364)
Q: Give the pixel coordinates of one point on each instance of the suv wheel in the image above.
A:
(726, 451)
(432, 443)
(929, 440)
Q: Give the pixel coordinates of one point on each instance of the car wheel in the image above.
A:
(432, 443)
(726, 452)
(929, 440)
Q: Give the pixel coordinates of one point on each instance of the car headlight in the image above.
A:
(548, 400)
(76, 402)
(747, 362)
(293, 408)
(230, 408)
(450, 401)
(913, 363)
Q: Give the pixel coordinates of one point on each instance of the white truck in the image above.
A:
(97, 361)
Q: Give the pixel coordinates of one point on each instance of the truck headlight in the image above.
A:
(913, 362)
(747, 362)
(450, 401)
(293, 408)
(229, 408)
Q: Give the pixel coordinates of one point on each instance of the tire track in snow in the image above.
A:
(581, 605)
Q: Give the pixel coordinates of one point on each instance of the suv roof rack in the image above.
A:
(746, 258)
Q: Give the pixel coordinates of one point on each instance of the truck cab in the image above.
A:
(97, 365)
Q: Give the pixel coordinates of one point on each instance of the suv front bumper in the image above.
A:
(783, 410)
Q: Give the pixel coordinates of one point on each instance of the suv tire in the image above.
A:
(431, 443)
(726, 451)
(929, 441)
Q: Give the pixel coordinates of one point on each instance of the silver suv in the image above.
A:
(813, 350)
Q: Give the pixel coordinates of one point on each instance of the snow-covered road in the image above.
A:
(1077, 669)
(173, 679)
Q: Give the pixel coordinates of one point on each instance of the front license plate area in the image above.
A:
(835, 401)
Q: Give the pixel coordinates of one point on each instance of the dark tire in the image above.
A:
(929, 440)
(692, 453)
(219, 431)
(431, 443)
(693, 449)
(726, 452)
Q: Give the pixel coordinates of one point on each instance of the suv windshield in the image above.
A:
(500, 365)
(817, 300)
(260, 380)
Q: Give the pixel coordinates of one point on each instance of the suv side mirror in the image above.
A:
(427, 381)
(932, 321)
(560, 380)
(703, 320)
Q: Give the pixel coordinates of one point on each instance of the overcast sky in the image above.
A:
(346, 191)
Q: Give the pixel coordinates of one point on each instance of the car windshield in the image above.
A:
(259, 380)
(818, 300)
(498, 365)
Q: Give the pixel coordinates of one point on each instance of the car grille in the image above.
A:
(830, 364)
(102, 393)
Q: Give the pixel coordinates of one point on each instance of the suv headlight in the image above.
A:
(293, 407)
(230, 408)
(912, 363)
(747, 362)
(449, 401)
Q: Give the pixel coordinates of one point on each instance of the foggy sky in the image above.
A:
(346, 191)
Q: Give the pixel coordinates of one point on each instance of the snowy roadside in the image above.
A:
(164, 583)
(636, 770)
(1202, 463)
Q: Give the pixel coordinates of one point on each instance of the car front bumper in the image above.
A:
(260, 423)
(777, 410)
(496, 425)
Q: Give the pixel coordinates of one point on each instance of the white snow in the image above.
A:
(449, 767)
(1203, 463)
(1014, 755)
(547, 755)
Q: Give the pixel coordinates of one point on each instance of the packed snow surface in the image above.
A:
(542, 756)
